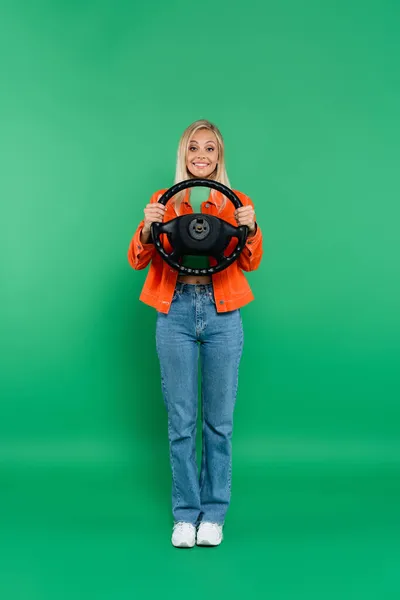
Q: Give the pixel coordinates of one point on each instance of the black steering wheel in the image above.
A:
(198, 234)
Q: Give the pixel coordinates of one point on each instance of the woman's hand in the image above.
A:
(244, 215)
(153, 213)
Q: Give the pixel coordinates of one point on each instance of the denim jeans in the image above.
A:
(193, 328)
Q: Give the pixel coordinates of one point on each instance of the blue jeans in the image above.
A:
(192, 328)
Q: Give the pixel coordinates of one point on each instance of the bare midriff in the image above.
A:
(195, 279)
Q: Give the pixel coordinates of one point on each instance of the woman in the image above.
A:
(198, 315)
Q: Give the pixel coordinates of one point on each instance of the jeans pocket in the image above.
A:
(176, 295)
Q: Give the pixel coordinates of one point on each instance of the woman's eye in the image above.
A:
(194, 148)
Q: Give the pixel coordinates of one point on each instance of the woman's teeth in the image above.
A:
(200, 165)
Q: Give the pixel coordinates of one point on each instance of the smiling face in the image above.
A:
(202, 154)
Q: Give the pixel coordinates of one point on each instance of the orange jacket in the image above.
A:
(231, 289)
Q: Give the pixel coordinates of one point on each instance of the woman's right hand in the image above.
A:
(153, 213)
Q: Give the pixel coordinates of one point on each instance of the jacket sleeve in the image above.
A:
(139, 254)
(250, 257)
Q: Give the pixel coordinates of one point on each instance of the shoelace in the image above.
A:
(180, 525)
(214, 526)
(183, 524)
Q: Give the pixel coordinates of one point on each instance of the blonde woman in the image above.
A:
(198, 315)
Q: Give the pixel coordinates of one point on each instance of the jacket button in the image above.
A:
(207, 205)
(221, 301)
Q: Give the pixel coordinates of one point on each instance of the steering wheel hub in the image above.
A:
(199, 228)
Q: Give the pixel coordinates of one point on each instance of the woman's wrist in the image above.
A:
(252, 232)
(145, 236)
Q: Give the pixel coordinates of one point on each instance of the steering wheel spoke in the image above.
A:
(230, 230)
(168, 227)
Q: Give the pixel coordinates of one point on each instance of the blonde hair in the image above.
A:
(182, 172)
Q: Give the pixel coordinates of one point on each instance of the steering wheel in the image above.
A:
(198, 234)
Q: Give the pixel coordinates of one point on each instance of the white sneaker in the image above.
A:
(209, 534)
(183, 535)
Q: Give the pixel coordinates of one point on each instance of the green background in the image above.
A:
(93, 99)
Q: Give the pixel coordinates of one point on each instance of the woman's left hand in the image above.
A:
(244, 215)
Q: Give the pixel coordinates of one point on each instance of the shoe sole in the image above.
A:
(203, 542)
(183, 545)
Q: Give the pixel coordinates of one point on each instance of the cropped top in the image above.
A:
(198, 195)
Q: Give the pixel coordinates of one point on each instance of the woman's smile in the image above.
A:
(200, 165)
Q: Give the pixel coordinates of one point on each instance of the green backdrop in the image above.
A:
(94, 98)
